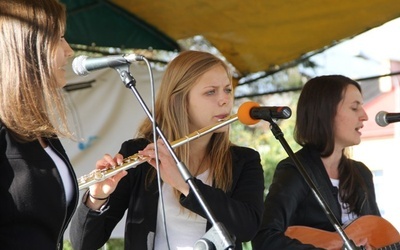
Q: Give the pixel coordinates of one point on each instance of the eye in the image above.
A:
(210, 92)
(228, 90)
(355, 107)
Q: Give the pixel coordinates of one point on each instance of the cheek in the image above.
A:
(195, 104)
(341, 120)
(192, 110)
(343, 126)
(190, 114)
(59, 57)
(59, 60)
(60, 77)
(339, 124)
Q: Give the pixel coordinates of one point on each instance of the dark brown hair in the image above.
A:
(316, 111)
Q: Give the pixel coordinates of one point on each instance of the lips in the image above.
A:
(221, 117)
(357, 129)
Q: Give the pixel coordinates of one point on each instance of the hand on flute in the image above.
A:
(99, 192)
(168, 170)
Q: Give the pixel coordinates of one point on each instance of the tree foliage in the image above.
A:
(261, 138)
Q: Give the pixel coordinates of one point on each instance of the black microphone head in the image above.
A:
(380, 119)
(78, 66)
(283, 113)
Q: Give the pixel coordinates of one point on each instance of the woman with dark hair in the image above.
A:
(330, 115)
(38, 187)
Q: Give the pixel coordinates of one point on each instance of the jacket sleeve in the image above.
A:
(87, 228)
(286, 192)
(239, 210)
(91, 229)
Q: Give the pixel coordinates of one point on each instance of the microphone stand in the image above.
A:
(348, 244)
(217, 237)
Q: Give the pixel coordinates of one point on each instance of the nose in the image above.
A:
(364, 115)
(69, 52)
(224, 99)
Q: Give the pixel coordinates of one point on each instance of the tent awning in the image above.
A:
(253, 35)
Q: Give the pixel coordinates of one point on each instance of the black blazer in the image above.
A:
(239, 210)
(33, 209)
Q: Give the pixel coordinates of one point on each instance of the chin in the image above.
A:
(61, 83)
(221, 130)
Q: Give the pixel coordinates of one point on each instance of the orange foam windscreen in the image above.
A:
(244, 113)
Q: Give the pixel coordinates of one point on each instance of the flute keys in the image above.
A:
(98, 175)
(82, 179)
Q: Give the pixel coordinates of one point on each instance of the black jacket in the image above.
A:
(239, 210)
(33, 210)
(291, 202)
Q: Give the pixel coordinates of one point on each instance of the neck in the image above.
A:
(42, 142)
(331, 163)
(200, 144)
(198, 159)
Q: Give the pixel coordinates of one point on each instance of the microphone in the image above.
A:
(82, 65)
(383, 118)
(250, 113)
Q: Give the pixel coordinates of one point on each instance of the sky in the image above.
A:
(376, 46)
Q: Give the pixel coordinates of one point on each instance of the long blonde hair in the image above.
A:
(171, 109)
(31, 103)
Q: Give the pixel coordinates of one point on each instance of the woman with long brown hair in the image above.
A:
(330, 117)
(38, 187)
(195, 92)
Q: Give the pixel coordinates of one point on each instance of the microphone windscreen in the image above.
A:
(380, 119)
(244, 113)
(78, 66)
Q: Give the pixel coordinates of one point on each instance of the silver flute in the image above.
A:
(133, 161)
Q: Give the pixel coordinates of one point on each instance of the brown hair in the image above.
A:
(31, 103)
(171, 109)
(316, 111)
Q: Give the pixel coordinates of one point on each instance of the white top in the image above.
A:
(184, 227)
(64, 173)
(346, 216)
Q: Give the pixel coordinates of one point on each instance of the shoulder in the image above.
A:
(304, 155)
(287, 171)
(362, 168)
(246, 164)
(243, 152)
(4, 133)
(2, 127)
(309, 158)
(242, 156)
